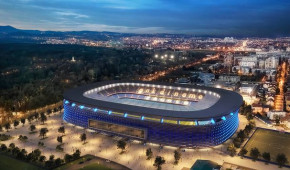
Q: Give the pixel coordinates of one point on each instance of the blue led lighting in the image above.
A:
(210, 133)
(224, 118)
(109, 112)
(66, 102)
(81, 107)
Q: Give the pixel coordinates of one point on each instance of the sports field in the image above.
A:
(271, 141)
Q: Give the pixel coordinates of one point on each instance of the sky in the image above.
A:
(197, 17)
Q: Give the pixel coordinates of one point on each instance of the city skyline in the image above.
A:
(223, 18)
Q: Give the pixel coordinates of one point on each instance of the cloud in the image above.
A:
(71, 14)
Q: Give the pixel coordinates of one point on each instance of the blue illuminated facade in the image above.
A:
(162, 130)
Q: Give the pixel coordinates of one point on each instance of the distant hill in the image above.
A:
(8, 29)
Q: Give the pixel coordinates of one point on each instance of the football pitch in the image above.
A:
(271, 141)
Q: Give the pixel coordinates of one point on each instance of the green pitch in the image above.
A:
(271, 141)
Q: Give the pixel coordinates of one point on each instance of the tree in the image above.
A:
(16, 123)
(177, 156)
(159, 161)
(281, 159)
(231, 148)
(43, 118)
(149, 153)
(11, 145)
(255, 153)
(277, 119)
(32, 128)
(51, 157)
(83, 137)
(59, 139)
(58, 162)
(77, 154)
(43, 132)
(241, 134)
(121, 145)
(42, 158)
(23, 121)
(7, 126)
(266, 156)
(48, 112)
(61, 130)
(30, 118)
(67, 158)
(243, 152)
(3, 147)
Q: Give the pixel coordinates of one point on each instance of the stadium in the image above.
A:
(161, 113)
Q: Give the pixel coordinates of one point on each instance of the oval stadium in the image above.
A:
(161, 113)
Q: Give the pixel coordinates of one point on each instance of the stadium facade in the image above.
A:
(167, 114)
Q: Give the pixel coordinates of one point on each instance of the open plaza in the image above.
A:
(105, 146)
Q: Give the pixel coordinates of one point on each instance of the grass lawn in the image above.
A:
(92, 165)
(14, 164)
(271, 141)
(95, 166)
(75, 162)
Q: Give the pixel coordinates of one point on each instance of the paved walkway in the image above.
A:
(106, 147)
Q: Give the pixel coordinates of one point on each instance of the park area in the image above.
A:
(274, 142)
(7, 162)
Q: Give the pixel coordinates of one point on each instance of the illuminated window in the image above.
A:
(170, 121)
(152, 119)
(187, 123)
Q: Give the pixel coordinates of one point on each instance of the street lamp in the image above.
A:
(156, 56)
(172, 56)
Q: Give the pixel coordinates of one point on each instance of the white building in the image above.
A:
(228, 60)
(249, 62)
(271, 114)
(271, 63)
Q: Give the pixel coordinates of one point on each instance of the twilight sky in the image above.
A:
(199, 17)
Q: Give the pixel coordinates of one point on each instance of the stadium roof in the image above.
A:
(228, 102)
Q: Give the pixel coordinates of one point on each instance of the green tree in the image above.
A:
(83, 137)
(23, 121)
(7, 126)
(177, 156)
(3, 147)
(277, 119)
(266, 156)
(149, 153)
(255, 153)
(281, 159)
(32, 128)
(59, 139)
(42, 158)
(68, 158)
(43, 118)
(77, 154)
(16, 123)
(58, 162)
(121, 145)
(61, 130)
(43, 132)
(243, 152)
(231, 148)
(159, 161)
